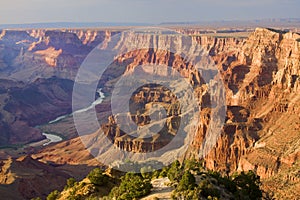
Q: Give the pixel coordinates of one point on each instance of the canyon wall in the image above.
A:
(261, 129)
(28, 54)
(260, 75)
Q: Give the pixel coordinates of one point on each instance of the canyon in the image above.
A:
(260, 74)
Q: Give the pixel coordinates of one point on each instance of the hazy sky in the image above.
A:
(150, 11)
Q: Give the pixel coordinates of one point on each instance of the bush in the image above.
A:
(155, 174)
(132, 186)
(70, 183)
(164, 172)
(208, 190)
(193, 164)
(187, 182)
(175, 171)
(53, 195)
(248, 185)
(97, 177)
(146, 172)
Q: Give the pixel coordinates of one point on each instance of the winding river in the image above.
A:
(51, 138)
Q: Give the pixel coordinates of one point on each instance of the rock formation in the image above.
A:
(261, 130)
(260, 75)
(27, 178)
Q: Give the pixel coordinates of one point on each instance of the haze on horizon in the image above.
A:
(144, 11)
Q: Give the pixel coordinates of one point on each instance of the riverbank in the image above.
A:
(67, 118)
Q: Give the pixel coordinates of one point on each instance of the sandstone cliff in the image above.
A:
(260, 75)
(261, 130)
(26, 55)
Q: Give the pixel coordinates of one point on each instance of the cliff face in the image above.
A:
(261, 130)
(270, 91)
(24, 55)
(36, 71)
(260, 76)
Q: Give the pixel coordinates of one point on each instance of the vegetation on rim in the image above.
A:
(189, 180)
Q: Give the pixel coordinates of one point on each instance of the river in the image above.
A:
(96, 102)
(55, 138)
(51, 138)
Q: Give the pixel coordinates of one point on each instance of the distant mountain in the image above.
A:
(57, 25)
(277, 22)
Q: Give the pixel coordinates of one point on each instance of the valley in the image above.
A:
(259, 69)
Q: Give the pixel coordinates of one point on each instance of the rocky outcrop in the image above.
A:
(141, 103)
(26, 178)
(29, 57)
(260, 75)
(264, 79)
(26, 54)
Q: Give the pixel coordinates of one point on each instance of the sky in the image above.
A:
(144, 11)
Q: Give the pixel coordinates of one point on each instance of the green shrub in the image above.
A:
(187, 182)
(132, 186)
(155, 174)
(146, 172)
(175, 172)
(97, 177)
(53, 195)
(70, 183)
(164, 172)
(248, 185)
(193, 164)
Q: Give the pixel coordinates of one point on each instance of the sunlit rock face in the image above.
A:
(260, 75)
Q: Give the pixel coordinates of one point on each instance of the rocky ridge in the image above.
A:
(27, 178)
(261, 77)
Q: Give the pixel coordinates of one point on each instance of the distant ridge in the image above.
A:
(276, 22)
(69, 25)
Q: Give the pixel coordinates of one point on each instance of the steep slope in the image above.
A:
(275, 102)
(26, 178)
(262, 128)
(261, 78)
(262, 90)
(28, 54)
(24, 106)
(255, 72)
